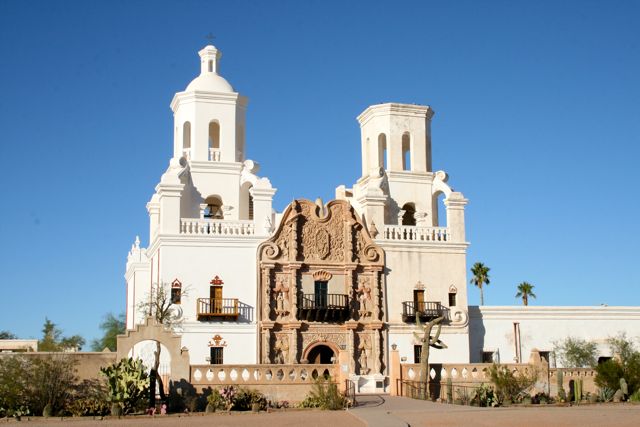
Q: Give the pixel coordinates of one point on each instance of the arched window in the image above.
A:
(408, 218)
(382, 151)
(406, 151)
(186, 135)
(214, 208)
(439, 210)
(176, 291)
(214, 135)
(250, 206)
(210, 66)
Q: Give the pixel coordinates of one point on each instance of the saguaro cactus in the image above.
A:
(560, 381)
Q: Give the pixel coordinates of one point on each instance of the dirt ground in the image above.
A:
(382, 411)
(290, 418)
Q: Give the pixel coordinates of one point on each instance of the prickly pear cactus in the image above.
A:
(127, 382)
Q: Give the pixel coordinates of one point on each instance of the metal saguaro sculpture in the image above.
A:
(428, 341)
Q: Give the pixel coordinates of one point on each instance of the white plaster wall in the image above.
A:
(196, 261)
(241, 341)
(138, 281)
(438, 266)
(491, 327)
(457, 342)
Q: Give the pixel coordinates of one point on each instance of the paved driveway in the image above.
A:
(386, 411)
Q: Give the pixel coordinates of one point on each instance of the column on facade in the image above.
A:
(262, 194)
(455, 204)
(351, 345)
(293, 289)
(266, 291)
(266, 344)
(374, 279)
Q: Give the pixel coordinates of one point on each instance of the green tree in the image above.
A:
(480, 277)
(52, 339)
(525, 291)
(625, 364)
(575, 352)
(111, 326)
(6, 335)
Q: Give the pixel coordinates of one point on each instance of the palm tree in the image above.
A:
(480, 277)
(525, 290)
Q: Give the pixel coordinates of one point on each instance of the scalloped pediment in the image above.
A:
(321, 234)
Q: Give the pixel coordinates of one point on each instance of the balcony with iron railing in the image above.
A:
(424, 310)
(323, 307)
(218, 309)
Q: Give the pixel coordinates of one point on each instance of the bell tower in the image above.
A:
(209, 117)
(396, 137)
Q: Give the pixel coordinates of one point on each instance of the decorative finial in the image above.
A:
(210, 37)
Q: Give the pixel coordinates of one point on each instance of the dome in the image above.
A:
(210, 82)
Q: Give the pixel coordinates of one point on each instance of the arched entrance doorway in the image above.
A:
(321, 354)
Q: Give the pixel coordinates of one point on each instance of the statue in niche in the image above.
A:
(364, 297)
(282, 350)
(282, 296)
(428, 341)
(364, 356)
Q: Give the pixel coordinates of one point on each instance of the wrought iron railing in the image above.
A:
(426, 310)
(318, 301)
(323, 307)
(211, 308)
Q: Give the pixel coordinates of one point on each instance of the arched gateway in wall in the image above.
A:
(320, 289)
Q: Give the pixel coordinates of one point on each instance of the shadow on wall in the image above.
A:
(245, 312)
(476, 334)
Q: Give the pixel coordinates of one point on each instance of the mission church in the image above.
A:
(342, 282)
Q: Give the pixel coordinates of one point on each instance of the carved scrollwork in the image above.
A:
(371, 253)
(271, 250)
(459, 317)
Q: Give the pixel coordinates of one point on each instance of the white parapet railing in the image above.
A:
(214, 155)
(208, 227)
(412, 233)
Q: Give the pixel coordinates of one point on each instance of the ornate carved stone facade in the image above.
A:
(320, 286)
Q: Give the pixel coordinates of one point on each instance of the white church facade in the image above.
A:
(323, 283)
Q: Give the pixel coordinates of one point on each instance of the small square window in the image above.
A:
(217, 355)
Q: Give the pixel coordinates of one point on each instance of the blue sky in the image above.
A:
(537, 123)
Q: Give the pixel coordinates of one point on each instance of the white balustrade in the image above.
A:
(202, 227)
(412, 233)
(260, 374)
(214, 155)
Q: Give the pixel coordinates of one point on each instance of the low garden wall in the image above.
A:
(87, 364)
(277, 382)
